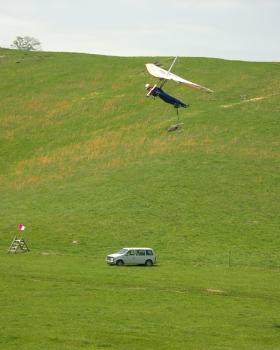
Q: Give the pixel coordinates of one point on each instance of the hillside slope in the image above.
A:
(83, 151)
(86, 157)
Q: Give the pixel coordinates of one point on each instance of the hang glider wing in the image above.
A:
(163, 74)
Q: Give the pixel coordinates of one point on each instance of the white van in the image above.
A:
(132, 256)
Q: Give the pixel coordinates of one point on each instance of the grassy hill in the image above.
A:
(85, 157)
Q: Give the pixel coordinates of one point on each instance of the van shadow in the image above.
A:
(138, 266)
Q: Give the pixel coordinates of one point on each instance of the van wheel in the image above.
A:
(119, 263)
(149, 263)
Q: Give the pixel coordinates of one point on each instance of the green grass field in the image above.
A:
(86, 157)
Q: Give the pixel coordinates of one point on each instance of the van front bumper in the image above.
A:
(110, 261)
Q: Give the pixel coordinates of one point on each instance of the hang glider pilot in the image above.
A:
(158, 92)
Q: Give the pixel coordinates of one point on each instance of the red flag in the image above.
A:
(21, 227)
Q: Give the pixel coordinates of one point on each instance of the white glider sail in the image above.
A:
(167, 75)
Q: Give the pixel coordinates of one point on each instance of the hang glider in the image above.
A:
(165, 75)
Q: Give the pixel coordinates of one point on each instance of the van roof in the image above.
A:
(137, 248)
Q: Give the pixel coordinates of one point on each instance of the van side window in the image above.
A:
(140, 252)
(131, 252)
(149, 252)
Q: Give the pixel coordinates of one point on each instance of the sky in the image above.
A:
(230, 29)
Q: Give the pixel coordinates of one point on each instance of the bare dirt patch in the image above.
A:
(255, 99)
(216, 291)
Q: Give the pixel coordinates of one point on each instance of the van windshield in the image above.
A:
(122, 251)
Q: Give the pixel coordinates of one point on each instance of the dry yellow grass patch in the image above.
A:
(9, 135)
(121, 149)
(189, 142)
(135, 126)
(110, 105)
(114, 163)
(35, 104)
(32, 181)
(72, 153)
(141, 140)
(22, 165)
(261, 153)
(60, 107)
(12, 119)
(24, 181)
(159, 146)
(45, 160)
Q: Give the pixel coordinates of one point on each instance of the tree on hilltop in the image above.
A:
(26, 43)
